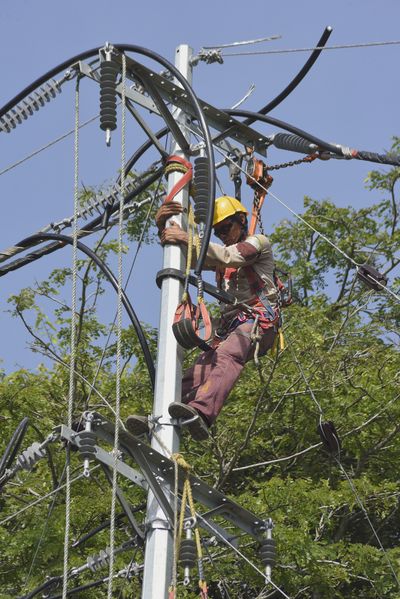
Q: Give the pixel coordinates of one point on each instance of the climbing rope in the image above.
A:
(71, 392)
(119, 334)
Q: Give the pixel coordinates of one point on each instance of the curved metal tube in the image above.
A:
(65, 239)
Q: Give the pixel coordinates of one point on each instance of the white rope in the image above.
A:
(119, 333)
(71, 392)
(335, 47)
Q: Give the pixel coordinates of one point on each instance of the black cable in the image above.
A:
(52, 73)
(297, 79)
(140, 151)
(65, 239)
(13, 445)
(192, 96)
(89, 228)
(83, 587)
(207, 140)
(283, 125)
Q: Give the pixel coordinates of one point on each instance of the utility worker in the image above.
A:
(244, 267)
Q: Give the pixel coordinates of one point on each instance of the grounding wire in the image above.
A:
(40, 499)
(119, 336)
(71, 391)
(334, 47)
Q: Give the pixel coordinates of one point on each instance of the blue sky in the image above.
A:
(350, 97)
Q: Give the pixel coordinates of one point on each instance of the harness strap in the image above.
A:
(186, 324)
(257, 287)
(177, 164)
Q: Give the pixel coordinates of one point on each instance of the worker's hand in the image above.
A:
(165, 212)
(174, 234)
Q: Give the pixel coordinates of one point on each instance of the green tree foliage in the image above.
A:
(336, 514)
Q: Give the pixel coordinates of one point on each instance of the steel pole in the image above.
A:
(159, 537)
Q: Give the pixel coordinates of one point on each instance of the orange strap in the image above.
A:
(187, 176)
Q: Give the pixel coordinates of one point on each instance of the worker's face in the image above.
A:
(229, 231)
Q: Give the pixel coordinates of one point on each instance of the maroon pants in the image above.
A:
(207, 384)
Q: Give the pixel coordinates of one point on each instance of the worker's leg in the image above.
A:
(221, 372)
(196, 375)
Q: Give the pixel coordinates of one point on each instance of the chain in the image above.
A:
(258, 211)
(307, 159)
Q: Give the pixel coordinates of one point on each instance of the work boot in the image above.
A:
(198, 428)
(137, 425)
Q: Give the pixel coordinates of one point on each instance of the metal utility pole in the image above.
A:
(159, 538)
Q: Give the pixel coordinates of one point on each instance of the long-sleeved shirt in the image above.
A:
(228, 261)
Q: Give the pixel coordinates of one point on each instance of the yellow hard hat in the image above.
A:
(226, 206)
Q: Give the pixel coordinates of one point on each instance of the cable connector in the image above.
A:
(207, 56)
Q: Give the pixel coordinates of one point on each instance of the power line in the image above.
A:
(48, 145)
(335, 47)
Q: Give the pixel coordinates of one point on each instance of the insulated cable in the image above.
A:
(296, 80)
(192, 97)
(300, 218)
(64, 239)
